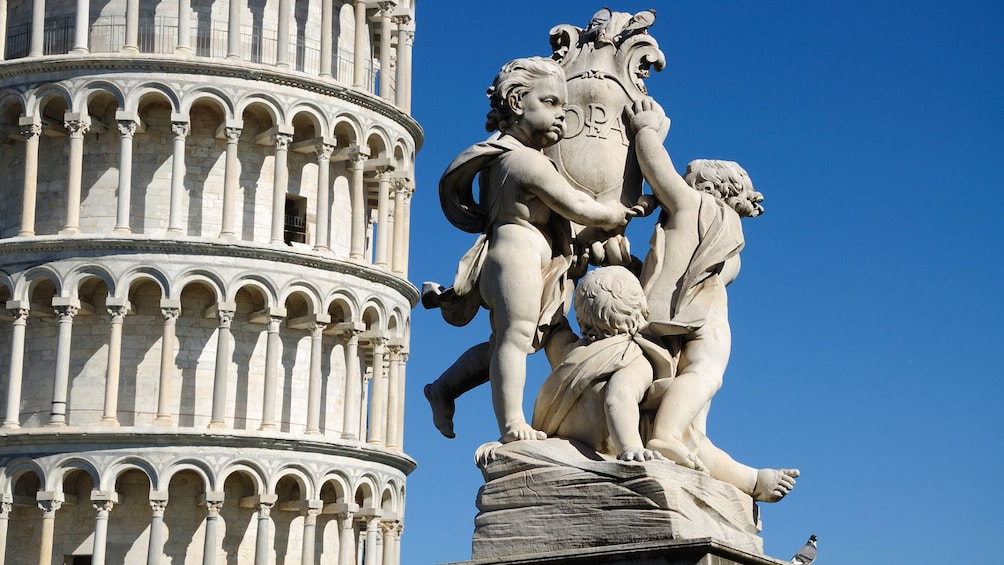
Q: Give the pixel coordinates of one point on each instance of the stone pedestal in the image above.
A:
(704, 551)
(549, 501)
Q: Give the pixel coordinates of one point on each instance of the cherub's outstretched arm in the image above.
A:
(538, 175)
(647, 121)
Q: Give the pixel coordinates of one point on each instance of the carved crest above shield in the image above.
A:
(605, 65)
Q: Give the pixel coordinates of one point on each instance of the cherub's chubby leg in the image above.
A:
(511, 286)
(467, 372)
(622, 394)
(702, 364)
(764, 485)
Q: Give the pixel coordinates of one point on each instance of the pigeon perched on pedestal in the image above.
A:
(807, 554)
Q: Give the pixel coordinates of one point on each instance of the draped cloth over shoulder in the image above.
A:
(587, 364)
(681, 306)
(456, 187)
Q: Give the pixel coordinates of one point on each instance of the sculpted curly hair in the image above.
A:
(609, 301)
(515, 78)
(728, 181)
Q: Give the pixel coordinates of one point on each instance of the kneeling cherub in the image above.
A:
(594, 393)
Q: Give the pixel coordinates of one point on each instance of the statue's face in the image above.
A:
(542, 118)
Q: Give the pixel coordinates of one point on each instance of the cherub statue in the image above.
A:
(518, 267)
(594, 393)
(694, 255)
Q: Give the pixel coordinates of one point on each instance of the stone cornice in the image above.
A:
(61, 247)
(115, 63)
(38, 441)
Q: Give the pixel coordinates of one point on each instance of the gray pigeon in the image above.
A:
(638, 24)
(599, 20)
(807, 554)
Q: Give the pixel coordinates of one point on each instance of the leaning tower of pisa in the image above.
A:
(203, 258)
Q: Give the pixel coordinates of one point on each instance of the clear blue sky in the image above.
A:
(867, 319)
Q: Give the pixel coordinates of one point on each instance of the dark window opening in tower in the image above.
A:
(295, 229)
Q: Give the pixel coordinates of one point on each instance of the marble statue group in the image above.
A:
(548, 195)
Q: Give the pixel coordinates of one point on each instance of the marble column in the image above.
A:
(66, 309)
(230, 180)
(210, 543)
(5, 508)
(403, 363)
(155, 549)
(77, 125)
(48, 508)
(378, 403)
(309, 535)
(102, 507)
(326, 37)
(31, 129)
(12, 419)
(388, 529)
(321, 239)
(346, 538)
(234, 29)
(263, 535)
(132, 27)
(127, 129)
(280, 185)
(272, 359)
(406, 220)
(393, 376)
(180, 129)
(353, 382)
(222, 370)
(372, 526)
(359, 55)
(184, 28)
(117, 310)
(357, 200)
(399, 242)
(83, 12)
(171, 310)
(386, 30)
(405, 41)
(397, 542)
(314, 379)
(37, 28)
(383, 217)
(282, 48)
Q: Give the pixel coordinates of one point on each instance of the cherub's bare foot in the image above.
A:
(639, 454)
(521, 431)
(442, 410)
(773, 484)
(675, 451)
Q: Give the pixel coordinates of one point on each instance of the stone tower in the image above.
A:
(203, 254)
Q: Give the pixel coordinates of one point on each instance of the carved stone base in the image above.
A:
(704, 551)
(550, 497)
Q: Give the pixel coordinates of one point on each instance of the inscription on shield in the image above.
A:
(604, 65)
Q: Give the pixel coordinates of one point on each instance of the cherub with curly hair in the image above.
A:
(694, 255)
(594, 393)
(518, 268)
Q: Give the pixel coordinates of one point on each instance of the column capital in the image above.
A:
(180, 129)
(282, 141)
(76, 123)
(358, 154)
(324, 151)
(49, 501)
(29, 126)
(118, 311)
(103, 507)
(225, 317)
(65, 308)
(158, 507)
(233, 134)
